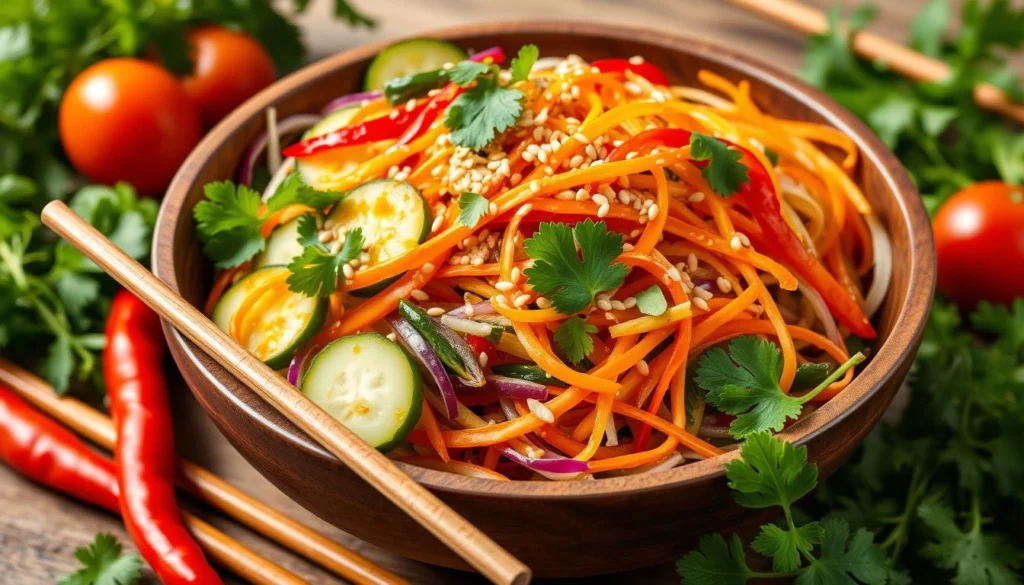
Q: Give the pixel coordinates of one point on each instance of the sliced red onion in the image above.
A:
(285, 126)
(351, 99)
(298, 365)
(415, 344)
(495, 53)
(507, 387)
(482, 308)
(548, 465)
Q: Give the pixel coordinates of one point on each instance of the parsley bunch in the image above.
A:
(103, 564)
(772, 473)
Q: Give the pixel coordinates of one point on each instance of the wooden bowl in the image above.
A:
(558, 529)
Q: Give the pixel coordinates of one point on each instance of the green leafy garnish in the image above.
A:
(724, 171)
(523, 62)
(772, 156)
(745, 382)
(488, 108)
(573, 338)
(651, 301)
(809, 375)
(975, 557)
(571, 278)
(472, 207)
(316, 272)
(772, 473)
(102, 564)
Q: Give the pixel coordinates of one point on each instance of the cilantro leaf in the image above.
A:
(977, 558)
(770, 472)
(464, 73)
(229, 223)
(715, 563)
(472, 207)
(480, 113)
(809, 375)
(59, 363)
(315, 273)
(785, 547)
(309, 233)
(523, 62)
(651, 301)
(842, 560)
(724, 171)
(294, 190)
(103, 564)
(559, 272)
(573, 338)
(928, 26)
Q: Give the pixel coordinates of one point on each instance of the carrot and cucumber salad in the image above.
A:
(544, 268)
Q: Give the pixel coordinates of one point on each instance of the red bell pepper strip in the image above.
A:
(781, 241)
(648, 71)
(144, 453)
(39, 448)
(406, 125)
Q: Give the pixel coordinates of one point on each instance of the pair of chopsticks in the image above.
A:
(873, 47)
(476, 548)
(236, 504)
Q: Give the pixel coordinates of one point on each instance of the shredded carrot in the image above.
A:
(429, 423)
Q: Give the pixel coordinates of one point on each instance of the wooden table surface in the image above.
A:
(39, 530)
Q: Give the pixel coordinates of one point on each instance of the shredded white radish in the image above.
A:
(610, 433)
(883, 266)
(275, 181)
(273, 142)
(821, 309)
(466, 326)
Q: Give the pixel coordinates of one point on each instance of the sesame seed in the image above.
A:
(629, 303)
(538, 133)
(521, 301)
(735, 243)
(700, 303)
(691, 262)
(469, 309)
(482, 358)
(540, 410)
(393, 114)
(392, 336)
(492, 208)
(636, 60)
(591, 151)
(435, 311)
(674, 274)
(755, 309)
(543, 302)
(420, 295)
(534, 186)
(618, 306)
(627, 247)
(631, 155)
(660, 162)
(635, 233)
(348, 271)
(576, 161)
(581, 138)
(604, 305)
(582, 195)
(599, 199)
(528, 156)
(703, 293)
(652, 211)
(478, 261)
(723, 284)
(743, 239)
(542, 156)
(634, 88)
(610, 316)
(437, 223)
(504, 285)
(325, 237)
(643, 368)
(603, 210)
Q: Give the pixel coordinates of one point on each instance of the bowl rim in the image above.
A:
(891, 357)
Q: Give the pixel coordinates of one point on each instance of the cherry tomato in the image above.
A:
(127, 120)
(979, 240)
(230, 67)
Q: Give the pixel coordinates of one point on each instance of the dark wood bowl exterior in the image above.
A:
(558, 529)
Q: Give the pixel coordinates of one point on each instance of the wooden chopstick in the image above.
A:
(233, 502)
(469, 542)
(238, 558)
(874, 47)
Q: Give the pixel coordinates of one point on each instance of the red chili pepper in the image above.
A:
(144, 452)
(45, 452)
(779, 239)
(648, 71)
(430, 112)
(495, 356)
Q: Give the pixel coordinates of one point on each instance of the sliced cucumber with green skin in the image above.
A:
(368, 383)
(528, 372)
(450, 347)
(394, 218)
(282, 325)
(282, 246)
(410, 56)
(324, 169)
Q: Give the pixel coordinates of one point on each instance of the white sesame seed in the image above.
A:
(743, 239)
(435, 311)
(477, 261)
(674, 274)
(504, 285)
(528, 156)
(636, 60)
(582, 194)
(469, 309)
(420, 295)
(604, 305)
(392, 336)
(437, 223)
(599, 199)
(629, 303)
(538, 133)
(723, 284)
(703, 293)
(755, 309)
(348, 271)
(603, 210)
(652, 211)
(691, 262)
(634, 88)
(591, 151)
(543, 302)
(325, 237)
(643, 368)
(627, 247)
(482, 358)
(618, 306)
(534, 186)
(700, 303)
(492, 208)
(735, 243)
(660, 162)
(542, 156)
(540, 410)
(521, 301)
(581, 138)
(576, 161)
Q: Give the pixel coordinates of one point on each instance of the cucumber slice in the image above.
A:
(321, 171)
(410, 56)
(282, 246)
(528, 372)
(284, 322)
(394, 218)
(368, 383)
(451, 349)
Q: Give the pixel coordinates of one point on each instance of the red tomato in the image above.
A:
(979, 240)
(127, 120)
(230, 67)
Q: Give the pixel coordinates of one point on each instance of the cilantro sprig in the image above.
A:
(573, 338)
(488, 107)
(472, 207)
(103, 564)
(316, 272)
(745, 382)
(571, 278)
(772, 473)
(724, 172)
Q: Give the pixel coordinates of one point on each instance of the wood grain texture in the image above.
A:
(39, 529)
(557, 528)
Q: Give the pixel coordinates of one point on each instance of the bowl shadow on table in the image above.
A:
(559, 529)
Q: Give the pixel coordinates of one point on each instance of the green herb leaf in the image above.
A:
(573, 338)
(472, 207)
(716, 563)
(842, 560)
(229, 223)
(480, 113)
(724, 171)
(464, 73)
(785, 547)
(651, 301)
(809, 375)
(102, 564)
(975, 556)
(773, 157)
(928, 27)
(316, 272)
(523, 63)
(560, 273)
(770, 473)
